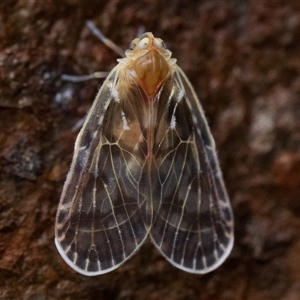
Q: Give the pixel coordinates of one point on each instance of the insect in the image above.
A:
(144, 164)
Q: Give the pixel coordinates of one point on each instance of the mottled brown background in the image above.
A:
(243, 58)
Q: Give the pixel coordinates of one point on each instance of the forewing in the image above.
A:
(102, 218)
(193, 220)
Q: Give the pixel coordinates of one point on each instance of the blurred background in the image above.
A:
(243, 59)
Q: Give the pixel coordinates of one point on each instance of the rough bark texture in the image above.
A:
(243, 58)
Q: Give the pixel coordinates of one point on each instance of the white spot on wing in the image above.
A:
(180, 96)
(125, 124)
(173, 122)
(115, 94)
(65, 207)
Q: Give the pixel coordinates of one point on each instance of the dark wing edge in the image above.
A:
(99, 223)
(193, 220)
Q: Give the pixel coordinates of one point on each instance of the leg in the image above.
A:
(104, 40)
(108, 43)
(84, 77)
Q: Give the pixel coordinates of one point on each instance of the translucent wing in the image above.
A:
(144, 162)
(103, 216)
(193, 221)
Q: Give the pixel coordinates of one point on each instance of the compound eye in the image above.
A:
(144, 43)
